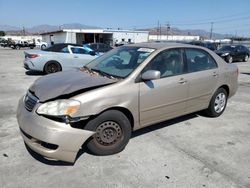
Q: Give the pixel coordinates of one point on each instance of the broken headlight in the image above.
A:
(59, 107)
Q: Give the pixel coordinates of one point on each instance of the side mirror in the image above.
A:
(92, 53)
(151, 75)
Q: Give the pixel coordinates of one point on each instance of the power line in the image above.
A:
(214, 19)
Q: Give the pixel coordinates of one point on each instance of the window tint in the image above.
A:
(199, 60)
(79, 51)
(93, 47)
(169, 63)
(102, 46)
(65, 50)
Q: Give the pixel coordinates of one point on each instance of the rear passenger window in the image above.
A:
(199, 60)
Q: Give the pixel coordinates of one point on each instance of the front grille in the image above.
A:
(30, 101)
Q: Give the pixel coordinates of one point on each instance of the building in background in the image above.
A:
(173, 37)
(107, 36)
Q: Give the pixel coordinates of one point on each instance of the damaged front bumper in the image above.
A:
(49, 138)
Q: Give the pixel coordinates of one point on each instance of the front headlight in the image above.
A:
(59, 107)
(225, 54)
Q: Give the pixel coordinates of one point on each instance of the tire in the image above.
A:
(52, 67)
(246, 58)
(218, 103)
(113, 131)
(229, 59)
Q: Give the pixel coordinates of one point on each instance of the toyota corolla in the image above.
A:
(126, 89)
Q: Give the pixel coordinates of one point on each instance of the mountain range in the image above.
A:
(13, 30)
(45, 28)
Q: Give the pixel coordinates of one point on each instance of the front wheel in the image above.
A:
(246, 58)
(218, 103)
(113, 131)
(229, 59)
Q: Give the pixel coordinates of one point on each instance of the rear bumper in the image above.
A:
(32, 65)
(38, 132)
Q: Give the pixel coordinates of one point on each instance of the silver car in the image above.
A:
(59, 57)
(126, 89)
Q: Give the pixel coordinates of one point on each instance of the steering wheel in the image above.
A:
(115, 61)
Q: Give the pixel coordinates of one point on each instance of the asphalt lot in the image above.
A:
(191, 151)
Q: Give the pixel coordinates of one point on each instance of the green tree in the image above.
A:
(2, 33)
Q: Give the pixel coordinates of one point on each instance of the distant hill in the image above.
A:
(12, 30)
(43, 28)
(176, 31)
(9, 28)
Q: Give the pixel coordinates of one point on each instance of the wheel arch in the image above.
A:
(226, 87)
(125, 111)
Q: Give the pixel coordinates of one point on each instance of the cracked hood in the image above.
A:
(64, 83)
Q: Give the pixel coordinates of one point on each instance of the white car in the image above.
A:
(59, 57)
(40, 44)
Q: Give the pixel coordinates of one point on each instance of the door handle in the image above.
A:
(215, 74)
(182, 81)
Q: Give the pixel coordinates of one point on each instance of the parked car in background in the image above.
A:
(58, 57)
(231, 53)
(8, 43)
(209, 45)
(40, 44)
(98, 47)
(122, 43)
(24, 44)
(125, 89)
(2, 41)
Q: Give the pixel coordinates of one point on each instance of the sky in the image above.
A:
(228, 16)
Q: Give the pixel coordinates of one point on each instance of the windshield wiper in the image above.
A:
(102, 73)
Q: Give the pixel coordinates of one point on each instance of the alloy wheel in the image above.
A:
(220, 102)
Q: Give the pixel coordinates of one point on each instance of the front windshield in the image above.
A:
(120, 62)
(227, 48)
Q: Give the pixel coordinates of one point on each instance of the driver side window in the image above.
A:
(168, 62)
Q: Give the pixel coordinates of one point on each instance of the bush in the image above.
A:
(2, 33)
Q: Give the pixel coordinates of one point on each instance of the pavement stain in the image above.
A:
(4, 134)
(231, 143)
(5, 155)
(188, 123)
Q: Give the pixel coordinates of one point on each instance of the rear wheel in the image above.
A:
(52, 67)
(113, 131)
(218, 103)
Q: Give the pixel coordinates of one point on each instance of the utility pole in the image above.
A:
(168, 29)
(211, 32)
(158, 29)
(23, 31)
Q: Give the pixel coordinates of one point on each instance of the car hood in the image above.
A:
(66, 83)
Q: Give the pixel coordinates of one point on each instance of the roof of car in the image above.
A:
(58, 46)
(159, 45)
